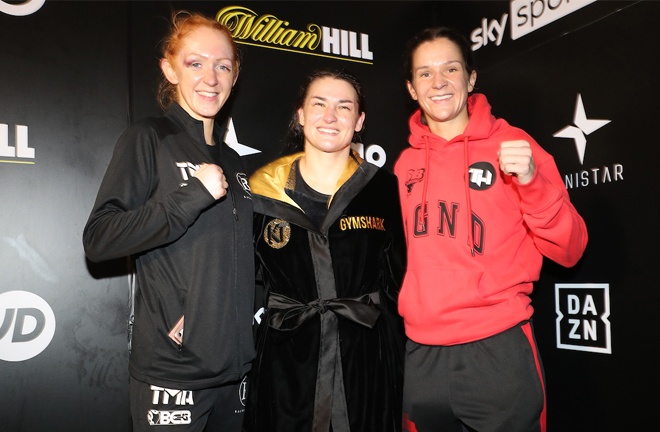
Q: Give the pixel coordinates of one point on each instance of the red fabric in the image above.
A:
(464, 285)
(408, 425)
(527, 329)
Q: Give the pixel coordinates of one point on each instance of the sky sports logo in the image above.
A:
(525, 16)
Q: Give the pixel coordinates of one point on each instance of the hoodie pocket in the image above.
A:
(433, 292)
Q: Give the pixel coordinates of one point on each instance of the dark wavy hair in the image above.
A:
(295, 135)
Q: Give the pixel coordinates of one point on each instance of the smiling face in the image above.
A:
(441, 84)
(330, 115)
(203, 71)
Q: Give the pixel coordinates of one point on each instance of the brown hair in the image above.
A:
(430, 34)
(182, 24)
(295, 134)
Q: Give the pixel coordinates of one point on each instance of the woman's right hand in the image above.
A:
(213, 179)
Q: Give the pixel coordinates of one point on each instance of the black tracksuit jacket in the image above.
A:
(193, 255)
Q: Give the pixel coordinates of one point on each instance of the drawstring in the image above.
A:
(466, 171)
(425, 213)
(466, 179)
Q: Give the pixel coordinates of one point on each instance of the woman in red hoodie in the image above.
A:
(482, 204)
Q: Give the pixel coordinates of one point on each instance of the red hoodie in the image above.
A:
(467, 284)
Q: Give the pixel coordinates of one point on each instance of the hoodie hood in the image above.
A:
(482, 124)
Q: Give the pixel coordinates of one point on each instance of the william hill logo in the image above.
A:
(268, 31)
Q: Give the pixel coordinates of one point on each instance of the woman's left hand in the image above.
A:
(516, 159)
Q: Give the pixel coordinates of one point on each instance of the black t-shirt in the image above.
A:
(313, 203)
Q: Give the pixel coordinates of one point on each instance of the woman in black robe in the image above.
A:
(331, 253)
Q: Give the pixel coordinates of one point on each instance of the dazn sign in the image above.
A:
(582, 317)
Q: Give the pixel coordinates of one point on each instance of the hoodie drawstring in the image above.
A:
(466, 171)
(425, 213)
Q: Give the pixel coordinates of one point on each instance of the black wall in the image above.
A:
(74, 74)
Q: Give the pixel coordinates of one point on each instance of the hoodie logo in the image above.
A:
(482, 175)
(414, 176)
(243, 181)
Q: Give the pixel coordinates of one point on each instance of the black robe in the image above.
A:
(330, 345)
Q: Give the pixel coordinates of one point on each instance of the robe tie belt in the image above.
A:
(289, 314)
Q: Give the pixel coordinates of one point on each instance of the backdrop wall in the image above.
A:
(577, 75)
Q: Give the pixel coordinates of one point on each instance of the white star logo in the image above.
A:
(584, 127)
(232, 141)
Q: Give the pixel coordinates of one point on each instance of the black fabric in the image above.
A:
(193, 254)
(156, 408)
(320, 366)
(216, 157)
(312, 202)
(289, 314)
(490, 385)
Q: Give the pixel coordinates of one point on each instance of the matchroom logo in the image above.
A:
(582, 317)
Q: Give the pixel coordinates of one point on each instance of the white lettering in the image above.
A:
(163, 395)
(590, 331)
(364, 43)
(573, 304)
(346, 43)
(573, 333)
(477, 176)
(27, 325)
(374, 154)
(589, 306)
(594, 176)
(530, 15)
(21, 148)
(187, 169)
(492, 31)
(331, 40)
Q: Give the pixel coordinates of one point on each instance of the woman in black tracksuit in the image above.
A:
(175, 198)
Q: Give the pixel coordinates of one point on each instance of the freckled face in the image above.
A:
(441, 85)
(330, 115)
(203, 72)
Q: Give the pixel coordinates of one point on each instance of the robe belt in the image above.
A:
(329, 398)
(289, 314)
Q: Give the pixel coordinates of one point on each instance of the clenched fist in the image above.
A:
(516, 159)
(213, 179)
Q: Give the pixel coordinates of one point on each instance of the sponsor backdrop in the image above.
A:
(578, 75)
